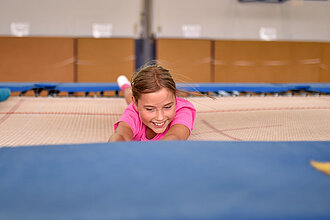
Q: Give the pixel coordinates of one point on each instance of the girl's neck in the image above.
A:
(150, 134)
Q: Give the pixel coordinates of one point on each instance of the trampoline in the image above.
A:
(248, 157)
(63, 120)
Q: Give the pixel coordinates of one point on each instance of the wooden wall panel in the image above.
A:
(235, 61)
(325, 63)
(28, 59)
(188, 60)
(267, 62)
(273, 61)
(103, 60)
(251, 61)
(37, 59)
(306, 58)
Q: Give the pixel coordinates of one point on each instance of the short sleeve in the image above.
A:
(185, 114)
(131, 117)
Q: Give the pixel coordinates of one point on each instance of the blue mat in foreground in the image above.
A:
(165, 180)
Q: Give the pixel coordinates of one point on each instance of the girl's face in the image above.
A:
(156, 109)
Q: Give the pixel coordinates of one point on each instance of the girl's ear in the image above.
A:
(134, 102)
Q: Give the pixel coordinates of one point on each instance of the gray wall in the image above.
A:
(71, 17)
(218, 19)
(229, 19)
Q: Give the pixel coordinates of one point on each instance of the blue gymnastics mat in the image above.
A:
(320, 87)
(87, 87)
(4, 94)
(17, 86)
(239, 87)
(165, 180)
(53, 87)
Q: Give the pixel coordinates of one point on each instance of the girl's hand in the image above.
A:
(177, 132)
(122, 133)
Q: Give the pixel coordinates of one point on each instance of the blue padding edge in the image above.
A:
(17, 86)
(240, 87)
(4, 94)
(165, 180)
(200, 87)
(87, 87)
(46, 85)
(322, 88)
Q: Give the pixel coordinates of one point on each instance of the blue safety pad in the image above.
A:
(299, 86)
(4, 94)
(320, 87)
(230, 87)
(87, 87)
(18, 86)
(200, 87)
(165, 180)
(46, 85)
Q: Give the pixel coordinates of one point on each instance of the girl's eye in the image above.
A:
(168, 107)
(149, 109)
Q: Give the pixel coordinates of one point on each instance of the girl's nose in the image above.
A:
(160, 115)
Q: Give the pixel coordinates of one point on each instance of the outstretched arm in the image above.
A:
(122, 133)
(177, 132)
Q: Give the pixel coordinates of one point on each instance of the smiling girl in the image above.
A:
(154, 111)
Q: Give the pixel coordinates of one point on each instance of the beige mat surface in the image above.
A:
(26, 121)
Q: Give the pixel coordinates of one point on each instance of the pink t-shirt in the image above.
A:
(185, 114)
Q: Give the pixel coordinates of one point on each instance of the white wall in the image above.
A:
(71, 17)
(229, 19)
(219, 19)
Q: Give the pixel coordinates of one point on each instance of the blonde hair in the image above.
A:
(151, 79)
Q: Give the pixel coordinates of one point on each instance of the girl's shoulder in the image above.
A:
(181, 102)
(131, 114)
(131, 108)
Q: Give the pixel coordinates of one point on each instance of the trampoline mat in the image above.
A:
(28, 121)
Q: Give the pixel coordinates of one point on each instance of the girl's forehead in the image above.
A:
(159, 98)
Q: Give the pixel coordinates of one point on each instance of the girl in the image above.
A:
(154, 111)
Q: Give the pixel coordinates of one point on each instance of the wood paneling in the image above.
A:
(306, 57)
(33, 59)
(325, 63)
(45, 59)
(188, 60)
(103, 60)
(267, 62)
(234, 61)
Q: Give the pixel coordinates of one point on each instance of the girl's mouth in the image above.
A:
(159, 124)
